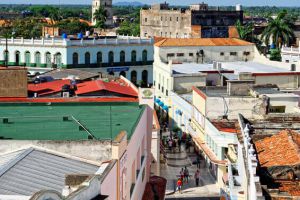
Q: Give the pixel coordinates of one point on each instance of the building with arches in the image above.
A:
(131, 57)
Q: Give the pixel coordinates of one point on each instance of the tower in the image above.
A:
(107, 5)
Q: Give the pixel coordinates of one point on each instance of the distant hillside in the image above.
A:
(126, 3)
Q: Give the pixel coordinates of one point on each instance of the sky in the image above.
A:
(290, 3)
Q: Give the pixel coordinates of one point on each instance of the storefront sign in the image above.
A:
(117, 69)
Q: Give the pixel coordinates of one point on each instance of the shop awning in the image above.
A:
(208, 152)
(166, 108)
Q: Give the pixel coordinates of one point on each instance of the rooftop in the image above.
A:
(226, 125)
(177, 42)
(99, 85)
(28, 171)
(281, 149)
(66, 73)
(236, 67)
(68, 120)
(48, 88)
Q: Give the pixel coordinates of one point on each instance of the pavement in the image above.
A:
(207, 188)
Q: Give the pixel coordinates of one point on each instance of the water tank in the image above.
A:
(79, 35)
(64, 36)
(238, 7)
(293, 67)
(215, 65)
(273, 46)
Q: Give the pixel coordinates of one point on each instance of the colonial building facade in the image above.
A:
(199, 21)
(131, 57)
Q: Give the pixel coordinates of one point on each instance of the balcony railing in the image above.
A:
(290, 50)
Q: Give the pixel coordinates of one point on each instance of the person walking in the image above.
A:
(179, 185)
(170, 143)
(181, 174)
(186, 174)
(197, 177)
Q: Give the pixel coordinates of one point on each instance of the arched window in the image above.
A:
(123, 73)
(27, 58)
(133, 56)
(144, 57)
(87, 58)
(99, 58)
(17, 58)
(37, 59)
(48, 60)
(75, 58)
(111, 58)
(144, 78)
(122, 57)
(133, 77)
(57, 59)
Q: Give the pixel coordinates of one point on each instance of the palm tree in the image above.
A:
(280, 30)
(245, 32)
(100, 16)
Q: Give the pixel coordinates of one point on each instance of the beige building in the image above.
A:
(107, 5)
(197, 21)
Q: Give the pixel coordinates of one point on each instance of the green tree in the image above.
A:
(280, 29)
(245, 32)
(275, 55)
(100, 16)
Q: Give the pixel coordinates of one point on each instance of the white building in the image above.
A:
(290, 54)
(131, 57)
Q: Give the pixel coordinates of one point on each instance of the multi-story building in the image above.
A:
(290, 54)
(131, 57)
(197, 21)
(107, 6)
(108, 131)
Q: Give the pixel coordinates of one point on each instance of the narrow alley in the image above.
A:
(170, 170)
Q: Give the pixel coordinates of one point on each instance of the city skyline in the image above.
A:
(290, 3)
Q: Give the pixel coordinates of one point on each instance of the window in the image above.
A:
(246, 53)
(87, 58)
(145, 56)
(162, 89)
(111, 58)
(166, 34)
(221, 53)
(159, 86)
(75, 58)
(177, 19)
(37, 59)
(122, 57)
(57, 59)
(233, 53)
(180, 54)
(277, 109)
(191, 54)
(160, 34)
(133, 56)
(154, 83)
(167, 92)
(27, 58)
(133, 77)
(170, 19)
(99, 58)
(161, 18)
(170, 55)
(145, 19)
(48, 60)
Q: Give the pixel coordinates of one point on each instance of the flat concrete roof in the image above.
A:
(237, 67)
(68, 121)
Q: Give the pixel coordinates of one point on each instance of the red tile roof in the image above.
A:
(225, 126)
(281, 149)
(48, 87)
(98, 85)
(291, 187)
(176, 42)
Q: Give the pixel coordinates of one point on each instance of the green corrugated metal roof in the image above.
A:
(41, 121)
